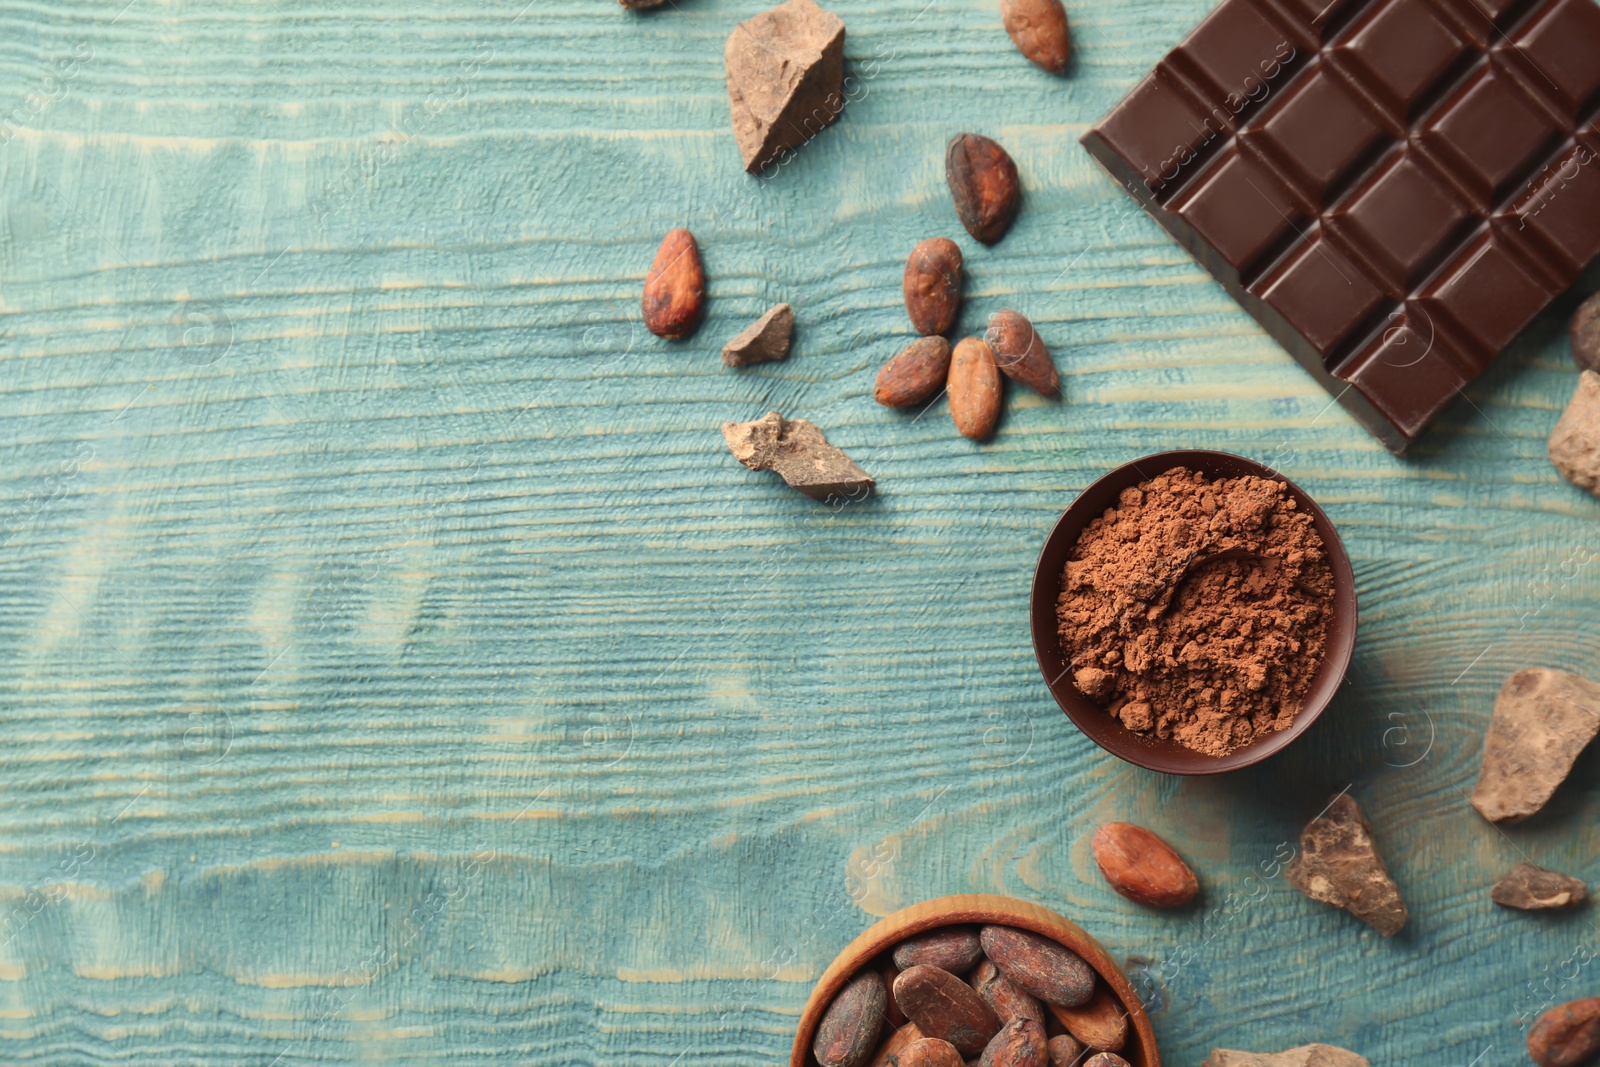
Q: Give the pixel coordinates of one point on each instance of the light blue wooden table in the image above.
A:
(396, 668)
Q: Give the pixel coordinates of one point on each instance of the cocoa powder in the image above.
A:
(1198, 610)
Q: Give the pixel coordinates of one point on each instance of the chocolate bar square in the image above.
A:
(1393, 188)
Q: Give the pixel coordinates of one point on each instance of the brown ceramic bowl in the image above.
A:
(975, 909)
(1150, 752)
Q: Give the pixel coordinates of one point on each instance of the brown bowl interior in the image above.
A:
(976, 909)
(1151, 752)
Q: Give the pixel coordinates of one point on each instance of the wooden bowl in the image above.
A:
(977, 909)
(1149, 751)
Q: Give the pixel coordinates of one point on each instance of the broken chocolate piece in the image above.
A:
(1575, 442)
(765, 340)
(796, 449)
(785, 79)
(1542, 720)
(1533, 888)
(1303, 1056)
(1339, 865)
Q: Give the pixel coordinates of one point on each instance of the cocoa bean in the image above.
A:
(1106, 1059)
(1064, 1050)
(914, 375)
(1142, 867)
(943, 1006)
(849, 1028)
(1020, 1043)
(1051, 972)
(675, 288)
(953, 948)
(890, 972)
(932, 285)
(1009, 1000)
(889, 1055)
(931, 1052)
(983, 183)
(1039, 30)
(1567, 1036)
(974, 386)
(1021, 354)
(1101, 1024)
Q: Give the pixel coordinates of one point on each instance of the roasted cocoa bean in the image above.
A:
(1051, 972)
(943, 1006)
(932, 285)
(1567, 1036)
(974, 386)
(1142, 867)
(1064, 1050)
(1021, 354)
(1039, 30)
(1101, 1024)
(1020, 1043)
(1009, 1000)
(848, 1032)
(916, 374)
(675, 288)
(931, 1052)
(953, 948)
(983, 182)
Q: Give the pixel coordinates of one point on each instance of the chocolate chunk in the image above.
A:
(1585, 334)
(765, 340)
(953, 948)
(1575, 442)
(1339, 865)
(1567, 1036)
(1303, 1056)
(796, 450)
(1542, 720)
(1533, 888)
(785, 79)
(849, 1028)
(1391, 201)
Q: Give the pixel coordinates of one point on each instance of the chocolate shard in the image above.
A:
(797, 451)
(1533, 888)
(1339, 865)
(785, 79)
(1303, 1056)
(765, 340)
(1575, 442)
(1542, 720)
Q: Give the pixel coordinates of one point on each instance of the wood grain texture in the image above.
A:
(398, 669)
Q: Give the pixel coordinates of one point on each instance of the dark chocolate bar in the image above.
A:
(1392, 188)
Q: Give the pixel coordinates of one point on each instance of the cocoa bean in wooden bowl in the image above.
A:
(951, 980)
(1193, 612)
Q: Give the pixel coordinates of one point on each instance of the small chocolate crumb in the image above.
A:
(1532, 888)
(765, 340)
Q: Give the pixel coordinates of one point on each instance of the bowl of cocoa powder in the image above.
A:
(1193, 612)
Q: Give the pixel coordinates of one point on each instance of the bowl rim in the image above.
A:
(975, 909)
(1168, 757)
